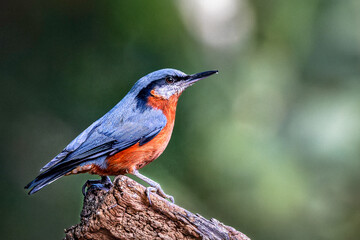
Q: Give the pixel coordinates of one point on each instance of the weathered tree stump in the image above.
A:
(124, 213)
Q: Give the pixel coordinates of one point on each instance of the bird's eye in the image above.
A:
(169, 79)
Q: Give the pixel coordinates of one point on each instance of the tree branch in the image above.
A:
(124, 213)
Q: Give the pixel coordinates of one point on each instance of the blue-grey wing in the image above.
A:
(109, 135)
(73, 145)
(100, 143)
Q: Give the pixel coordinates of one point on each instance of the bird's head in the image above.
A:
(166, 83)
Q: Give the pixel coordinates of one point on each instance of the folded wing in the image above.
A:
(107, 136)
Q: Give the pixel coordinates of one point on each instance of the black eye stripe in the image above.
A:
(172, 79)
(184, 77)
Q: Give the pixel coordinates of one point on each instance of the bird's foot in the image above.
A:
(154, 187)
(103, 184)
(157, 189)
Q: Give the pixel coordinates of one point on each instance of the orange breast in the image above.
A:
(136, 157)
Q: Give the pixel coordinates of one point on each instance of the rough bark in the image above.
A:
(124, 213)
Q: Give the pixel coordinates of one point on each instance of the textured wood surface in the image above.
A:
(124, 213)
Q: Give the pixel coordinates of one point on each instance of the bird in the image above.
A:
(132, 134)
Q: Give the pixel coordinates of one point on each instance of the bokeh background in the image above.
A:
(269, 146)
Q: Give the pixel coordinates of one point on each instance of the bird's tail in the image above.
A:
(49, 176)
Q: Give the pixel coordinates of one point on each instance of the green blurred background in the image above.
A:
(269, 146)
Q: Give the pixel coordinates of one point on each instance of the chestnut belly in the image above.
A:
(134, 157)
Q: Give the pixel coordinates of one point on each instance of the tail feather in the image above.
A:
(38, 184)
(49, 176)
(52, 173)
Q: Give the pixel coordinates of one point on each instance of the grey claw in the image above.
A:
(154, 187)
(105, 184)
(159, 192)
(148, 192)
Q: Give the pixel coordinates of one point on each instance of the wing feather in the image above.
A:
(110, 134)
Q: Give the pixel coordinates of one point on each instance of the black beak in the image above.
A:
(198, 76)
(202, 75)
